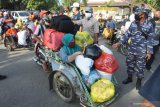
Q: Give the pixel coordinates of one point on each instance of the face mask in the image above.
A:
(156, 18)
(88, 15)
(137, 18)
(71, 44)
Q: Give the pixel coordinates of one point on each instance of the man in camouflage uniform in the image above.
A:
(139, 37)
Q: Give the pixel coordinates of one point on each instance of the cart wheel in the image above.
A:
(63, 87)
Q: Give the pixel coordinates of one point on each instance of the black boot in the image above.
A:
(138, 84)
(128, 80)
(2, 77)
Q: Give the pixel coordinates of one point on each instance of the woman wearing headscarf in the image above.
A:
(70, 50)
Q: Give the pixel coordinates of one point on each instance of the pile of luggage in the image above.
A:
(97, 66)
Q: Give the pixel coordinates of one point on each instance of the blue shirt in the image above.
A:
(111, 24)
(77, 16)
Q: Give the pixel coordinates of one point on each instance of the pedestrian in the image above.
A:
(89, 24)
(1, 24)
(111, 26)
(76, 15)
(151, 90)
(139, 36)
(156, 40)
(39, 31)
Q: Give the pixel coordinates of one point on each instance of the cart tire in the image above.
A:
(63, 87)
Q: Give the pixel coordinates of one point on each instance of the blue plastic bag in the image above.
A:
(91, 78)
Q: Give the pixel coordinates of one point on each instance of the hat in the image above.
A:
(75, 4)
(139, 10)
(89, 9)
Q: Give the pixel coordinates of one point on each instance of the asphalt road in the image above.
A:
(27, 84)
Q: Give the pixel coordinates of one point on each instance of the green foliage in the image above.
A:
(35, 4)
(153, 3)
(42, 4)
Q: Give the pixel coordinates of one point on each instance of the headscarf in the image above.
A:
(66, 40)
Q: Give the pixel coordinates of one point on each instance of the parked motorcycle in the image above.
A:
(11, 43)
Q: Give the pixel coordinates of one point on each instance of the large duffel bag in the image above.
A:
(63, 24)
(83, 37)
(52, 39)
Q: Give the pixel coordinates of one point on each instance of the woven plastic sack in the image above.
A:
(103, 90)
(82, 38)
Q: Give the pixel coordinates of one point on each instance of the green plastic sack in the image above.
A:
(83, 37)
(103, 90)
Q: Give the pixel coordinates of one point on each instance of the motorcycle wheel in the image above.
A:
(63, 87)
(7, 44)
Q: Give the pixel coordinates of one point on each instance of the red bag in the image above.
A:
(52, 39)
(106, 63)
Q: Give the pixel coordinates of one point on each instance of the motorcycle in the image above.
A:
(66, 80)
(11, 43)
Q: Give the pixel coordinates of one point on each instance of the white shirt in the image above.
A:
(22, 36)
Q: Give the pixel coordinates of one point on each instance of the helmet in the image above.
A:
(89, 9)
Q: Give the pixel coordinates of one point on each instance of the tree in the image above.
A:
(42, 4)
(153, 3)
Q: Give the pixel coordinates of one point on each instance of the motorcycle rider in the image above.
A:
(1, 23)
(76, 15)
(39, 31)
